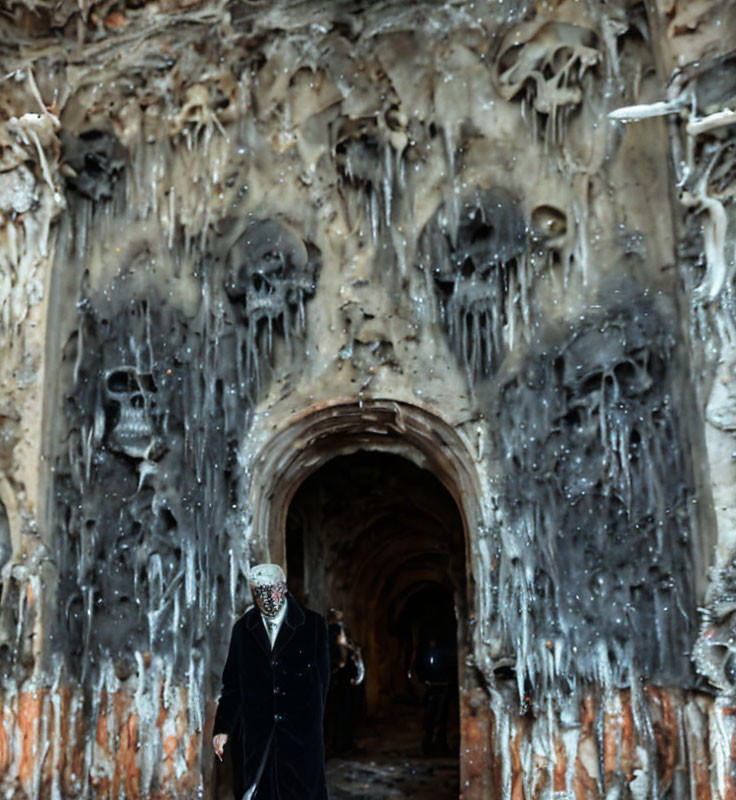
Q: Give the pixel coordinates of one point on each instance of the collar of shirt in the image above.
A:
(273, 626)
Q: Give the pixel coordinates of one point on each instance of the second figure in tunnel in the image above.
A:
(346, 698)
(434, 663)
(274, 690)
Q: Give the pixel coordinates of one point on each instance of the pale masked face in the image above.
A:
(269, 597)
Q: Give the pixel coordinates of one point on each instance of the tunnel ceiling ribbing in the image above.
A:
(387, 522)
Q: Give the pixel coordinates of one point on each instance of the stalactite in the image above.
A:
(594, 571)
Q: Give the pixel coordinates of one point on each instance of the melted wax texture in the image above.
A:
(595, 577)
(475, 251)
(252, 209)
(159, 399)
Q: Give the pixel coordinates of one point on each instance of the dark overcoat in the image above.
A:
(272, 705)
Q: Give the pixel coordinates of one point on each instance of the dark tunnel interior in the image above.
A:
(381, 539)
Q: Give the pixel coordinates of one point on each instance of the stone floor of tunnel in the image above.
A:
(388, 762)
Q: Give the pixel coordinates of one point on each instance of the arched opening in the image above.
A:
(418, 440)
(381, 539)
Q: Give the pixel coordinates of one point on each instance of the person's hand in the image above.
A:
(219, 743)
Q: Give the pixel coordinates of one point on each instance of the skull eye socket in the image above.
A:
(120, 382)
(479, 230)
(625, 372)
(468, 268)
(146, 382)
(591, 383)
(128, 381)
(510, 58)
(574, 418)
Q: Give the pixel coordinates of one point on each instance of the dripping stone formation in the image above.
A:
(496, 239)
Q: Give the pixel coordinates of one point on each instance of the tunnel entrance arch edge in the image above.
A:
(309, 440)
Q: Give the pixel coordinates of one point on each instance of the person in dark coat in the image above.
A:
(435, 664)
(347, 672)
(274, 688)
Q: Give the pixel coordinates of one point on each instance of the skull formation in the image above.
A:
(130, 404)
(471, 256)
(547, 62)
(715, 649)
(269, 271)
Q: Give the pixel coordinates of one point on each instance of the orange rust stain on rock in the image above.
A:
(702, 781)
(587, 712)
(613, 725)
(539, 778)
(102, 736)
(59, 762)
(628, 737)
(477, 761)
(476, 765)
(517, 775)
(101, 784)
(619, 741)
(127, 772)
(699, 763)
(29, 715)
(193, 752)
(116, 20)
(170, 743)
(75, 767)
(476, 751)
(559, 783)
(584, 786)
(666, 734)
(121, 704)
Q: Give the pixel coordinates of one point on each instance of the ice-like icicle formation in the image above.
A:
(159, 391)
(191, 276)
(589, 562)
(475, 250)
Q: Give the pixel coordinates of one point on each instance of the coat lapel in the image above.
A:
(254, 624)
(293, 619)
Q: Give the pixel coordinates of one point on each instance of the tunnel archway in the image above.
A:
(323, 433)
(374, 535)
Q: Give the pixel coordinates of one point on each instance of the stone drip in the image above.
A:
(495, 239)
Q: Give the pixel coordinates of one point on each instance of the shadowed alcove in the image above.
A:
(373, 507)
(375, 535)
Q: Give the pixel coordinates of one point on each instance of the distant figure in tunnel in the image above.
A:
(274, 688)
(435, 664)
(347, 673)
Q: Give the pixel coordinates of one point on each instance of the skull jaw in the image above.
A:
(265, 305)
(134, 441)
(474, 298)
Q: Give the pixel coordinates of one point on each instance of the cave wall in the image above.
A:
(516, 217)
